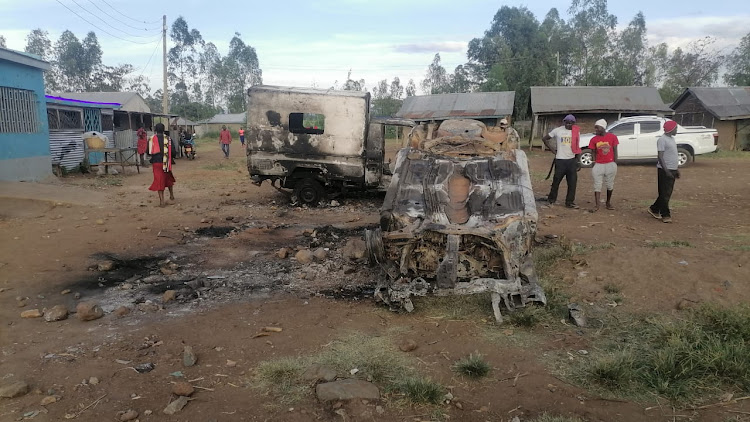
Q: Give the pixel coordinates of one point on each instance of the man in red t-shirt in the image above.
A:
(604, 146)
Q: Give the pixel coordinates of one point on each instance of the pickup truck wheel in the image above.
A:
(308, 192)
(684, 157)
(587, 158)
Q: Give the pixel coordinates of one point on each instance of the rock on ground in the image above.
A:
(305, 256)
(15, 389)
(32, 313)
(48, 400)
(128, 415)
(346, 390)
(106, 266)
(89, 311)
(189, 357)
(176, 405)
(320, 254)
(354, 249)
(283, 253)
(169, 295)
(183, 388)
(407, 345)
(122, 311)
(319, 373)
(57, 313)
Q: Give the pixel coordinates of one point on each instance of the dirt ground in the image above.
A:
(223, 233)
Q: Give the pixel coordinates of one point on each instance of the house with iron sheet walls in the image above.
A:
(726, 109)
(24, 134)
(487, 107)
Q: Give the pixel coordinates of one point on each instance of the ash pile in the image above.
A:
(459, 217)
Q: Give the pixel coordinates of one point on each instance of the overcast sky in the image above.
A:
(316, 42)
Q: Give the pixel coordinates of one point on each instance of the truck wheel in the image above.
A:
(684, 157)
(587, 158)
(308, 192)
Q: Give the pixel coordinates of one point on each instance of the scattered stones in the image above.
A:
(89, 311)
(335, 203)
(599, 278)
(189, 357)
(105, 266)
(319, 373)
(283, 253)
(231, 363)
(15, 389)
(320, 254)
(148, 306)
(94, 381)
(128, 415)
(182, 388)
(65, 292)
(346, 390)
(169, 268)
(407, 345)
(100, 222)
(304, 256)
(168, 296)
(126, 286)
(147, 412)
(576, 314)
(57, 313)
(686, 304)
(354, 249)
(176, 405)
(48, 400)
(145, 367)
(121, 311)
(32, 313)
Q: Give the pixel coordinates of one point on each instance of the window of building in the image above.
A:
(650, 127)
(107, 122)
(70, 119)
(623, 129)
(310, 123)
(19, 111)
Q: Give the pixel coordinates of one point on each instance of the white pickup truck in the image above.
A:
(638, 135)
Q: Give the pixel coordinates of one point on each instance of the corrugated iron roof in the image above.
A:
(50, 99)
(472, 105)
(726, 103)
(181, 121)
(23, 58)
(566, 99)
(297, 90)
(238, 118)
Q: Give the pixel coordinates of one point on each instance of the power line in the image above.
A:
(139, 21)
(101, 29)
(124, 23)
(149, 59)
(97, 17)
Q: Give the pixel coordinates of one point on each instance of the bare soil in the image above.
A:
(223, 234)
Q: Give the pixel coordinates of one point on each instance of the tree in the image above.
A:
(738, 64)
(209, 66)
(460, 80)
(697, 65)
(182, 66)
(411, 88)
(240, 69)
(351, 84)
(2, 41)
(38, 42)
(436, 79)
(386, 98)
(629, 59)
(593, 29)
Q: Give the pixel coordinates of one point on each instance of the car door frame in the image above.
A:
(647, 141)
(628, 145)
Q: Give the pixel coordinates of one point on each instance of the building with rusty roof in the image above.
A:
(487, 107)
(727, 109)
(549, 104)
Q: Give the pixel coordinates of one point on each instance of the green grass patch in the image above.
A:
(473, 366)
(375, 358)
(457, 307)
(548, 417)
(727, 154)
(226, 165)
(612, 288)
(420, 390)
(669, 244)
(684, 360)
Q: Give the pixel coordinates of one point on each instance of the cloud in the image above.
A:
(680, 31)
(431, 47)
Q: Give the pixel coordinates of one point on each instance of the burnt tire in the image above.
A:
(684, 157)
(586, 159)
(308, 192)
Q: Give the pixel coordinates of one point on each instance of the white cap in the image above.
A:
(503, 121)
(602, 123)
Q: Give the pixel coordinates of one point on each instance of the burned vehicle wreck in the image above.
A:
(459, 217)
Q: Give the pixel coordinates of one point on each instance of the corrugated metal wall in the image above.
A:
(126, 139)
(66, 147)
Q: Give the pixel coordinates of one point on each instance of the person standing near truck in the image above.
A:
(667, 172)
(604, 146)
(567, 152)
(225, 138)
(512, 141)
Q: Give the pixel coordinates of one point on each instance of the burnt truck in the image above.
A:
(318, 143)
(459, 215)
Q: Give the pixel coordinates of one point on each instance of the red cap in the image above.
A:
(669, 125)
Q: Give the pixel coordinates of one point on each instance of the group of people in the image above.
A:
(566, 147)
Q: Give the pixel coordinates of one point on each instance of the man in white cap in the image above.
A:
(667, 165)
(512, 140)
(604, 146)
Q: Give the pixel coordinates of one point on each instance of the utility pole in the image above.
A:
(557, 70)
(165, 94)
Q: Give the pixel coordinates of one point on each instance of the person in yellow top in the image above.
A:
(242, 136)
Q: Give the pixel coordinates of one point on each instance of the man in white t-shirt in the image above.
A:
(567, 151)
(667, 169)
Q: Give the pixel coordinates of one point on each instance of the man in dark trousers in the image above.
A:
(567, 151)
(666, 168)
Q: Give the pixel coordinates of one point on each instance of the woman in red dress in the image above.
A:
(142, 144)
(160, 149)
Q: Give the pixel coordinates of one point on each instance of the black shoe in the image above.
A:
(573, 206)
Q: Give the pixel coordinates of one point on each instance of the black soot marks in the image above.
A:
(274, 118)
